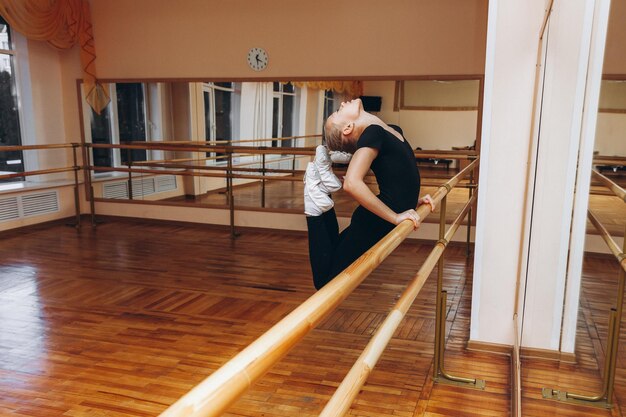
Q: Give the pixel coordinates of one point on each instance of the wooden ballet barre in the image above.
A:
(238, 167)
(165, 161)
(39, 172)
(437, 154)
(188, 173)
(275, 139)
(185, 173)
(189, 170)
(186, 142)
(351, 385)
(257, 150)
(155, 147)
(37, 147)
(616, 189)
(217, 392)
(613, 246)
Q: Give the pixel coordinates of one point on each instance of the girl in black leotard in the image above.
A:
(374, 145)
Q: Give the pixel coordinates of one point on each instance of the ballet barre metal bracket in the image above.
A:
(564, 396)
(603, 399)
(470, 383)
(440, 374)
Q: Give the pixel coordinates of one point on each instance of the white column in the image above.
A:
(526, 190)
(511, 54)
(555, 172)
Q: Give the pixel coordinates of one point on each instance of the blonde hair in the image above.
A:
(334, 139)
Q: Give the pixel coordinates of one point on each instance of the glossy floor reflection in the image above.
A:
(123, 320)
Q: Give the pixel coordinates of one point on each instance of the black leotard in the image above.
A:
(398, 179)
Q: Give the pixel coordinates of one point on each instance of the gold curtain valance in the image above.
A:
(63, 24)
(352, 88)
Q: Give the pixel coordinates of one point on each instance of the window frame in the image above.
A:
(27, 163)
(336, 101)
(235, 108)
(280, 94)
(112, 108)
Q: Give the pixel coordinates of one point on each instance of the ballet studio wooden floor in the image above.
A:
(124, 319)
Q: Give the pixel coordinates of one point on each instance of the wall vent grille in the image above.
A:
(40, 203)
(28, 205)
(9, 209)
(141, 187)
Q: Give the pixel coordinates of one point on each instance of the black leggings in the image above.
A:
(330, 252)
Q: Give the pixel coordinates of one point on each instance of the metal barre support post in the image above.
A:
(439, 373)
(76, 192)
(231, 196)
(129, 164)
(263, 181)
(469, 214)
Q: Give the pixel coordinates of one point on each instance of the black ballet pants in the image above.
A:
(330, 252)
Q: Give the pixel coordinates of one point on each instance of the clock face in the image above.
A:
(257, 59)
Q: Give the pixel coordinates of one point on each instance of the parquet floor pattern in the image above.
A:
(123, 320)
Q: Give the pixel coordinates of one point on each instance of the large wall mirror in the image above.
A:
(436, 113)
(600, 275)
(600, 270)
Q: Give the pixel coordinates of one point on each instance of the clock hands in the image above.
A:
(257, 59)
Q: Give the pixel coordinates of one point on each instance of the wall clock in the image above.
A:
(258, 59)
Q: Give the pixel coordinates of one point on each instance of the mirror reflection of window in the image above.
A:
(101, 134)
(331, 104)
(131, 115)
(123, 120)
(220, 111)
(284, 113)
(10, 134)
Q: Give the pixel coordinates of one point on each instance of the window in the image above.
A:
(122, 121)
(131, 118)
(284, 113)
(221, 111)
(331, 103)
(10, 134)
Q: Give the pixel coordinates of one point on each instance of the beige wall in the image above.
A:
(48, 105)
(199, 38)
(427, 129)
(70, 72)
(440, 130)
(611, 134)
(614, 56)
(385, 90)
